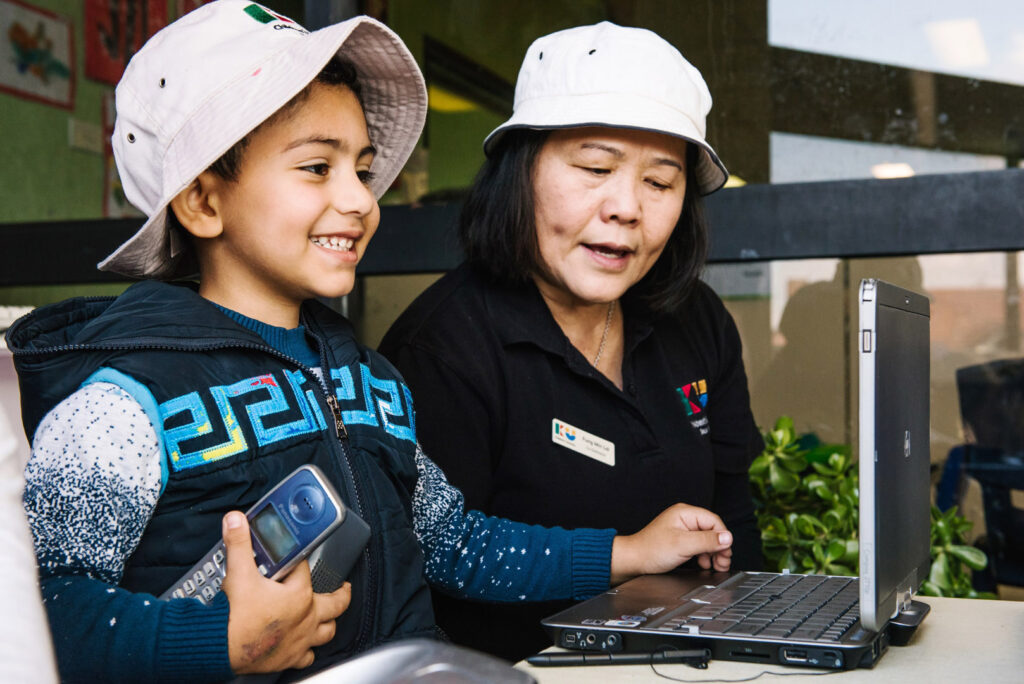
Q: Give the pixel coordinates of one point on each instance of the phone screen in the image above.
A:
(276, 537)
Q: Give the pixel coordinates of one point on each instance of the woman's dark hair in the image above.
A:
(498, 232)
(338, 71)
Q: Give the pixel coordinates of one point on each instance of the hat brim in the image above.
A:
(394, 100)
(634, 112)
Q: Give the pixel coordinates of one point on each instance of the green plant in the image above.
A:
(950, 553)
(806, 497)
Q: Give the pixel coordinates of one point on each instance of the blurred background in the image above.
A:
(865, 139)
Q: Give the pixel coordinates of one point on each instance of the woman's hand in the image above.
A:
(273, 625)
(679, 533)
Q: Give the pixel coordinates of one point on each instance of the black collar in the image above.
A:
(520, 315)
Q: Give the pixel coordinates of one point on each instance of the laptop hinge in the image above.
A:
(903, 599)
(868, 291)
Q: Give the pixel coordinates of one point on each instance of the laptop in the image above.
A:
(808, 620)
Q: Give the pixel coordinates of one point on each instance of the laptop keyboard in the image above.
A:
(798, 607)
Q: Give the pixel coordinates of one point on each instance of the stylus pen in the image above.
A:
(697, 657)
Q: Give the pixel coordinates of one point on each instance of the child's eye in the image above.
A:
(321, 169)
(366, 176)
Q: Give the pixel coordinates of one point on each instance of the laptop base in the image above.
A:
(905, 624)
(645, 609)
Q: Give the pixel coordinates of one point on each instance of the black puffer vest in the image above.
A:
(237, 416)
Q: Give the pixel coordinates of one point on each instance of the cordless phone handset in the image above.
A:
(287, 525)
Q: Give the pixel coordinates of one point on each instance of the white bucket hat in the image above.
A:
(204, 82)
(610, 75)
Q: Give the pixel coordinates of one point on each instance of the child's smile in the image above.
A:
(337, 244)
(298, 218)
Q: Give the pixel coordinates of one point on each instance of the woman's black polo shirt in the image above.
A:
(522, 423)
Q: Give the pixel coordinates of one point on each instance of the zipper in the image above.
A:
(369, 577)
(340, 431)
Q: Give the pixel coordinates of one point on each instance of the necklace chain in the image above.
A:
(604, 335)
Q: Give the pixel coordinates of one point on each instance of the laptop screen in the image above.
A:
(894, 448)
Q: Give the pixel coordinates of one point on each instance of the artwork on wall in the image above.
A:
(39, 58)
(115, 30)
(186, 6)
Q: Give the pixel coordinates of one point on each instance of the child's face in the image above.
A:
(300, 214)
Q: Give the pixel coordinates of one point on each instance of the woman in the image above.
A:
(574, 371)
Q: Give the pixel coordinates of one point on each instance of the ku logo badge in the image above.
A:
(582, 442)
(563, 430)
(694, 396)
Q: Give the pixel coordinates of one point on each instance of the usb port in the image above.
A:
(794, 655)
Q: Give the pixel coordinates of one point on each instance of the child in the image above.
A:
(257, 150)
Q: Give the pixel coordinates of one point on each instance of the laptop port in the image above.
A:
(794, 655)
(591, 639)
(569, 638)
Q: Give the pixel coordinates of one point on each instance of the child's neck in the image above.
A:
(283, 313)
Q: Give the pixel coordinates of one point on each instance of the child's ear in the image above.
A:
(196, 206)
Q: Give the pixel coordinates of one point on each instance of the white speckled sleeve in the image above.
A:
(471, 555)
(92, 482)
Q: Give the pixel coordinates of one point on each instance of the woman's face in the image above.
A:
(607, 200)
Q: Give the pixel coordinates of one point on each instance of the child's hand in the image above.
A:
(679, 533)
(273, 625)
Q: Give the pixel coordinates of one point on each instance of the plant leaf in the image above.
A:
(760, 465)
(819, 487)
(852, 555)
(974, 558)
(794, 463)
(939, 573)
(782, 480)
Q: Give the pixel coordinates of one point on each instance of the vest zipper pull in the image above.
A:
(340, 431)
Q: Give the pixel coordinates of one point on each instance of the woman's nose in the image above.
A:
(622, 203)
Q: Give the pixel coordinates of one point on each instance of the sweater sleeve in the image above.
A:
(471, 555)
(91, 485)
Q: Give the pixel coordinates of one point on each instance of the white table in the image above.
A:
(961, 640)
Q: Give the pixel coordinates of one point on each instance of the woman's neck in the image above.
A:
(594, 328)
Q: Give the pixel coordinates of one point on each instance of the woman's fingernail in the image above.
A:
(725, 538)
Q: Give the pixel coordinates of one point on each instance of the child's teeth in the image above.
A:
(337, 243)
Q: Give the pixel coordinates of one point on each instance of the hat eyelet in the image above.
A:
(592, 51)
(131, 137)
(163, 82)
(541, 56)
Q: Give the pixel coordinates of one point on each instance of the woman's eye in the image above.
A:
(597, 171)
(658, 184)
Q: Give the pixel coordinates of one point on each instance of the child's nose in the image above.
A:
(350, 195)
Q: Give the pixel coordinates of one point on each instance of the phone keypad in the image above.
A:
(203, 581)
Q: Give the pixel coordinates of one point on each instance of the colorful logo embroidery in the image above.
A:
(694, 396)
(261, 15)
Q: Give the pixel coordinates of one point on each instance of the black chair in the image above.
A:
(999, 472)
(992, 410)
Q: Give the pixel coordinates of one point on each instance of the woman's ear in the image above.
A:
(197, 208)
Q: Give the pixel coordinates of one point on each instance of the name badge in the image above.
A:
(582, 442)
